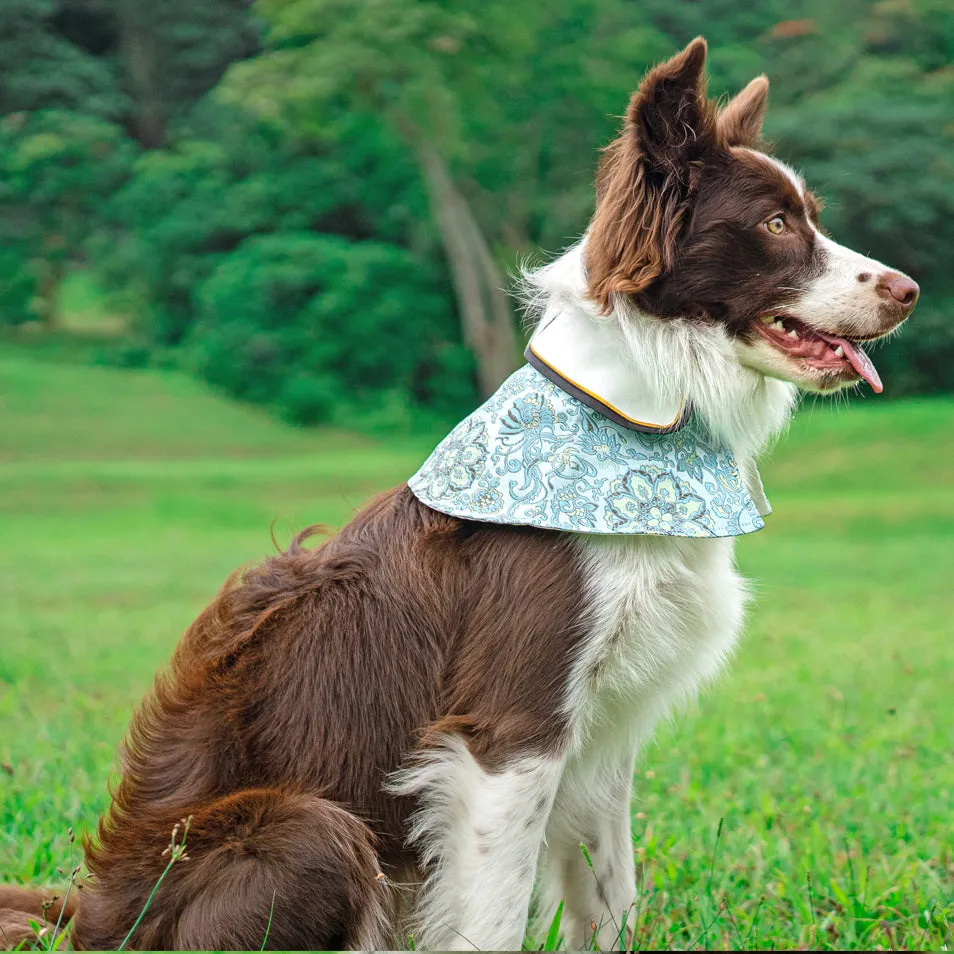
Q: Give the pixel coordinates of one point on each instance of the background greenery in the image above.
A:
(314, 204)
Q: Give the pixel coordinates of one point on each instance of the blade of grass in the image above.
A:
(599, 887)
(553, 935)
(268, 927)
(66, 897)
(176, 853)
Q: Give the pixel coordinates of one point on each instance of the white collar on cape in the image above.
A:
(582, 356)
(569, 442)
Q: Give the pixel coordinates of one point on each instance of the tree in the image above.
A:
(324, 328)
(388, 60)
(43, 69)
(58, 169)
(171, 54)
(289, 274)
(75, 73)
(458, 136)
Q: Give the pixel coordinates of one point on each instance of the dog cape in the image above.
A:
(535, 455)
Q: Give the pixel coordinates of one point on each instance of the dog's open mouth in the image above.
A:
(817, 349)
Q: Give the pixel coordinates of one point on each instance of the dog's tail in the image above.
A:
(262, 869)
(29, 914)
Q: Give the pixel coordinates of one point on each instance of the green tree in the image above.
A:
(171, 53)
(458, 137)
(58, 169)
(278, 269)
(323, 328)
(75, 73)
(43, 69)
(393, 61)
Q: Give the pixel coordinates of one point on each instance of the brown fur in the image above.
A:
(682, 196)
(20, 908)
(291, 699)
(740, 122)
(728, 267)
(650, 178)
(646, 178)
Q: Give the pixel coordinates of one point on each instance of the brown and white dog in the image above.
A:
(409, 727)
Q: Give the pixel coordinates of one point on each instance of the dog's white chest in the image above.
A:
(666, 614)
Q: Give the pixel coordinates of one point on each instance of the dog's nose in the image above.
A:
(900, 288)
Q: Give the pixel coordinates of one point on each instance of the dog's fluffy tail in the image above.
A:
(25, 913)
(265, 868)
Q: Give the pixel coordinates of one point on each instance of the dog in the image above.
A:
(411, 728)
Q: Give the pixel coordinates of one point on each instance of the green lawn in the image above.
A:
(826, 752)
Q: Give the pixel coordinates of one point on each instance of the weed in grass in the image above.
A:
(176, 852)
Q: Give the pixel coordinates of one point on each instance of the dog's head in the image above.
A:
(693, 220)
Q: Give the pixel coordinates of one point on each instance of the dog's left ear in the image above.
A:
(669, 113)
(740, 121)
(647, 177)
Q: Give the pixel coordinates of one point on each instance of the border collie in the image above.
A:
(411, 727)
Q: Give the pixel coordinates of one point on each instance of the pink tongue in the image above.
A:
(862, 364)
(859, 361)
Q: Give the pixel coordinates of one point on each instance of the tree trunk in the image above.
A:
(142, 74)
(478, 284)
(51, 270)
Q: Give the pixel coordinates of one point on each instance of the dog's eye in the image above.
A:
(776, 224)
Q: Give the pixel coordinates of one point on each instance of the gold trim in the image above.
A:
(605, 403)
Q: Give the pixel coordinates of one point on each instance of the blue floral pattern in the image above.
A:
(534, 455)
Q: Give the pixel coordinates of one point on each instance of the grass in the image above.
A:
(83, 307)
(805, 801)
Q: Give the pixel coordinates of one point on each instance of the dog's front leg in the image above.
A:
(479, 831)
(598, 887)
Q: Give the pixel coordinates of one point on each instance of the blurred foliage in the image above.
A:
(322, 323)
(58, 168)
(271, 185)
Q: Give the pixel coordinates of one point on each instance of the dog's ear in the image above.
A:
(669, 113)
(740, 121)
(647, 176)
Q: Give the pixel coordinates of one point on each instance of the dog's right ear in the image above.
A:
(646, 177)
(740, 121)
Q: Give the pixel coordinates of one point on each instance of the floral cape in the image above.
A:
(536, 456)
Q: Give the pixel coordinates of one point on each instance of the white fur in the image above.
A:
(837, 299)
(679, 359)
(667, 612)
(479, 834)
(592, 808)
(665, 615)
(834, 301)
